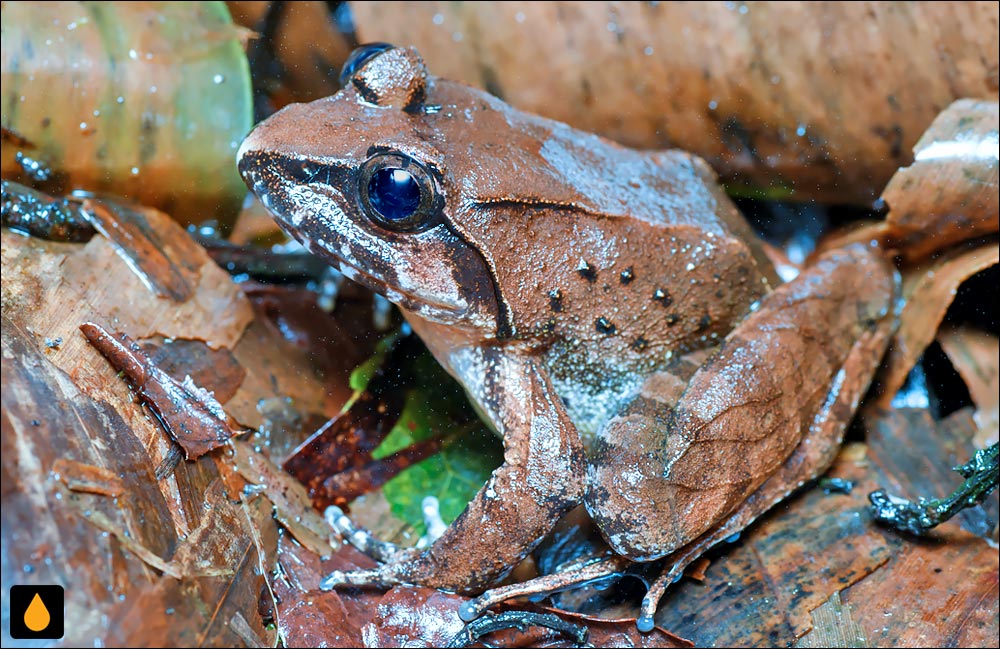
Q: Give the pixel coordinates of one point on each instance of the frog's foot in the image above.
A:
(600, 569)
(360, 538)
(389, 556)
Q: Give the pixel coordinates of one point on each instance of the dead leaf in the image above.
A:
(951, 192)
(78, 476)
(309, 617)
(975, 354)
(292, 506)
(191, 415)
(928, 290)
(776, 96)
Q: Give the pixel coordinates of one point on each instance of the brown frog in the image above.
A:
(608, 311)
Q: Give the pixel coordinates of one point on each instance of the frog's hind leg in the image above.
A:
(763, 416)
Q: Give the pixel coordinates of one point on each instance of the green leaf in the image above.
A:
(439, 407)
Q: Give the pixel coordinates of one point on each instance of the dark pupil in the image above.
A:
(394, 193)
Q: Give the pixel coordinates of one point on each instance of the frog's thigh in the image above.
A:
(661, 475)
(626, 462)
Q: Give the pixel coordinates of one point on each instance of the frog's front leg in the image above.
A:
(542, 477)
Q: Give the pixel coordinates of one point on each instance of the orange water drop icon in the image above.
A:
(37, 616)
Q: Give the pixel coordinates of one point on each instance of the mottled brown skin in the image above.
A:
(558, 279)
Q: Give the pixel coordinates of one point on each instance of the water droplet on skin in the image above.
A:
(120, 99)
(648, 51)
(519, 16)
(132, 54)
(712, 105)
(438, 19)
(217, 79)
(800, 131)
(457, 37)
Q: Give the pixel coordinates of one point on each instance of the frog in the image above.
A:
(609, 312)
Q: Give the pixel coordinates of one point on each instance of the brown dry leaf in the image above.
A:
(192, 416)
(299, 350)
(975, 354)
(292, 506)
(58, 536)
(952, 190)
(783, 97)
(309, 617)
(940, 590)
(178, 557)
(928, 290)
(815, 545)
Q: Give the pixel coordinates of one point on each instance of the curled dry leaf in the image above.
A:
(155, 113)
(975, 354)
(951, 192)
(787, 98)
(928, 290)
(176, 559)
(189, 413)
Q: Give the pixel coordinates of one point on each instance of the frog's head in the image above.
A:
(351, 178)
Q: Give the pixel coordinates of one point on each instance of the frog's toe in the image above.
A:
(339, 578)
(360, 538)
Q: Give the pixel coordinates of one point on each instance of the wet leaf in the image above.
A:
(309, 617)
(951, 192)
(454, 475)
(154, 113)
(178, 557)
(292, 506)
(777, 101)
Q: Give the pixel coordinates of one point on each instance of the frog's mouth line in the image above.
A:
(405, 300)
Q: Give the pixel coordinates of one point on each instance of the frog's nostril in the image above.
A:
(359, 57)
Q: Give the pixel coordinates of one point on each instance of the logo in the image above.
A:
(36, 612)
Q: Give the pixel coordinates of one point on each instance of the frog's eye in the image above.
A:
(358, 58)
(397, 193)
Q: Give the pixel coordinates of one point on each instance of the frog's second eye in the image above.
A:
(397, 193)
